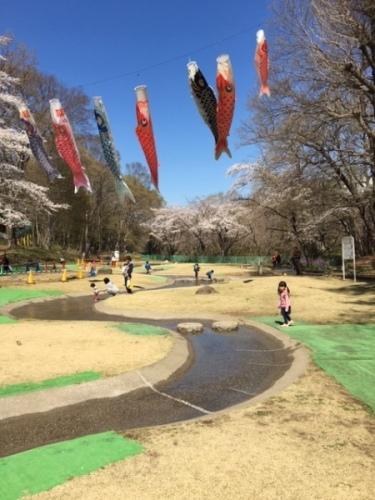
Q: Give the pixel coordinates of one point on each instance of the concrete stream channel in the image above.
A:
(223, 369)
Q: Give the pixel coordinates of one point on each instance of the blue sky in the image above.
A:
(86, 41)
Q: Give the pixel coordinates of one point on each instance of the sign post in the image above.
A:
(348, 253)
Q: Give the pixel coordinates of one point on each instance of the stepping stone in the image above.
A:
(205, 290)
(225, 326)
(190, 328)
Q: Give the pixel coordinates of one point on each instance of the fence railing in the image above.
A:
(254, 260)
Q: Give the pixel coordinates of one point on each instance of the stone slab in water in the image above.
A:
(225, 326)
(190, 327)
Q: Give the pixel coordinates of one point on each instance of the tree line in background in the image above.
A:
(314, 180)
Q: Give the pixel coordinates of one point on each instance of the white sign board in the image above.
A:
(347, 244)
(348, 253)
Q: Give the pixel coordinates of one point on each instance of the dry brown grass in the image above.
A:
(317, 300)
(310, 442)
(38, 350)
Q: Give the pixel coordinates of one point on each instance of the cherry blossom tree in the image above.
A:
(19, 198)
(201, 228)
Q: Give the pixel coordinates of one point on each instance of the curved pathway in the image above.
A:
(223, 370)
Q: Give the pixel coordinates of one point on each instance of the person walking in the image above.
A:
(127, 271)
(284, 303)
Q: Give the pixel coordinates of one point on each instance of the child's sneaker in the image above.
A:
(285, 324)
(291, 322)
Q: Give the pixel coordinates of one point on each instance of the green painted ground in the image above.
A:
(9, 295)
(43, 468)
(78, 378)
(141, 329)
(6, 319)
(346, 352)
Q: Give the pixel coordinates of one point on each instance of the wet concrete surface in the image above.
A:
(225, 369)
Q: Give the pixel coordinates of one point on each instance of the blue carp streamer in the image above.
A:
(109, 150)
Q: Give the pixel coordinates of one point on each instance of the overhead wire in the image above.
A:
(171, 59)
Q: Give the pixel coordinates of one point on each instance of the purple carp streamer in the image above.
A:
(109, 150)
(36, 143)
(67, 147)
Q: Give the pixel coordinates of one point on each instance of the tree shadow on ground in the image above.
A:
(356, 316)
(355, 289)
(364, 290)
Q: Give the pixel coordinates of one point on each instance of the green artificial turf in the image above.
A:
(346, 352)
(6, 319)
(43, 468)
(78, 378)
(141, 329)
(9, 295)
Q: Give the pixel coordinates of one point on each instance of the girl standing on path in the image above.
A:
(284, 303)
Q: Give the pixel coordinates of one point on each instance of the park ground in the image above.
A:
(314, 440)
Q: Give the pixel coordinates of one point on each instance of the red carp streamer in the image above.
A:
(225, 103)
(145, 133)
(262, 63)
(67, 147)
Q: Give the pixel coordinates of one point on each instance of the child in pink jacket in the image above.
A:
(284, 303)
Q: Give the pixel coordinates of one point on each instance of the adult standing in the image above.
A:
(296, 260)
(6, 264)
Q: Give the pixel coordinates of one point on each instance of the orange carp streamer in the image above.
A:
(262, 63)
(225, 104)
(66, 146)
(145, 133)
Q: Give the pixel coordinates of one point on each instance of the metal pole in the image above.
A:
(343, 261)
(354, 270)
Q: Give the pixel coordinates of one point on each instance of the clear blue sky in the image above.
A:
(85, 41)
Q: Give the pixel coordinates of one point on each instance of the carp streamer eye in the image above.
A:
(144, 122)
(228, 88)
(201, 82)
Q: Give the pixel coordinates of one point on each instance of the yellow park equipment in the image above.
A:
(64, 276)
(80, 273)
(30, 278)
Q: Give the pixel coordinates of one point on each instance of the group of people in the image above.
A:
(127, 270)
(110, 287)
(209, 274)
